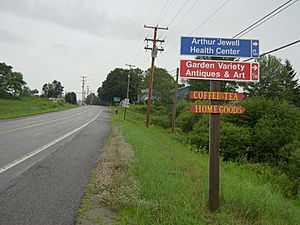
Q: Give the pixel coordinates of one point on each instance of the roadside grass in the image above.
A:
(111, 187)
(26, 106)
(144, 176)
(173, 185)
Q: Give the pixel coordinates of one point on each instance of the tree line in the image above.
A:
(12, 85)
(115, 85)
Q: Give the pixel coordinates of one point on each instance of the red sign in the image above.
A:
(224, 109)
(226, 96)
(219, 70)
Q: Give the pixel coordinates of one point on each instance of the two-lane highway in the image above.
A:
(45, 163)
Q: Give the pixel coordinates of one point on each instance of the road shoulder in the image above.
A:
(109, 187)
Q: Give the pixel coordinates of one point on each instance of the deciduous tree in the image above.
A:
(163, 84)
(53, 90)
(11, 83)
(116, 82)
(277, 81)
(71, 98)
(92, 99)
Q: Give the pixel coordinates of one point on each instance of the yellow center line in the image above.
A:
(42, 123)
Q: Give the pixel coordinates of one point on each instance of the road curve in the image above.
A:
(46, 162)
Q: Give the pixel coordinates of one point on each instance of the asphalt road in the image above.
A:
(46, 162)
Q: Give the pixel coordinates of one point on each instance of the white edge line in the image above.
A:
(40, 149)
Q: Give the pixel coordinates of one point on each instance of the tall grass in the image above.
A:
(25, 106)
(173, 185)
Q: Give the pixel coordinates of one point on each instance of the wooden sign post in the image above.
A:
(215, 71)
(214, 146)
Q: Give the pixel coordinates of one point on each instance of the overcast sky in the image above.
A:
(66, 39)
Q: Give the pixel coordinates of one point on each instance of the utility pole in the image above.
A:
(128, 82)
(87, 94)
(174, 101)
(83, 82)
(154, 51)
(87, 90)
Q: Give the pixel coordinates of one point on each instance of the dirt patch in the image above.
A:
(111, 186)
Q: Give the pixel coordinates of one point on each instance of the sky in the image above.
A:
(66, 39)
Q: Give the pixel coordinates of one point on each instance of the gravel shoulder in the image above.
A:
(110, 187)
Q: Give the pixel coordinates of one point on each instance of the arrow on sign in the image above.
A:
(255, 43)
(226, 96)
(222, 109)
(254, 67)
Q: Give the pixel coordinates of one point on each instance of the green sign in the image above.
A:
(117, 99)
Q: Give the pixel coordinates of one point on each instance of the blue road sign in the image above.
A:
(219, 47)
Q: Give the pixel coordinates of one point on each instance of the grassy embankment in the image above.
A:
(26, 106)
(163, 182)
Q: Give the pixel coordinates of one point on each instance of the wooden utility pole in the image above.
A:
(174, 101)
(87, 90)
(128, 82)
(154, 52)
(83, 82)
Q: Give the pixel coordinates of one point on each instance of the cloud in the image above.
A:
(9, 37)
(85, 16)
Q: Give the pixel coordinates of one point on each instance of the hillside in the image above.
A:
(26, 106)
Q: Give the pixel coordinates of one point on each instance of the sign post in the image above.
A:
(125, 103)
(214, 146)
(215, 71)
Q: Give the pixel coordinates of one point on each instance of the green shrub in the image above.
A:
(60, 102)
(139, 108)
(256, 107)
(179, 135)
(186, 121)
(293, 170)
(181, 107)
(294, 164)
(279, 180)
(274, 125)
(199, 136)
(161, 121)
(235, 142)
(273, 132)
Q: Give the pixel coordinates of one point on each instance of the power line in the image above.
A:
(181, 19)
(138, 41)
(152, 8)
(264, 19)
(162, 13)
(184, 16)
(158, 18)
(261, 21)
(276, 49)
(142, 59)
(178, 12)
(206, 20)
(209, 17)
